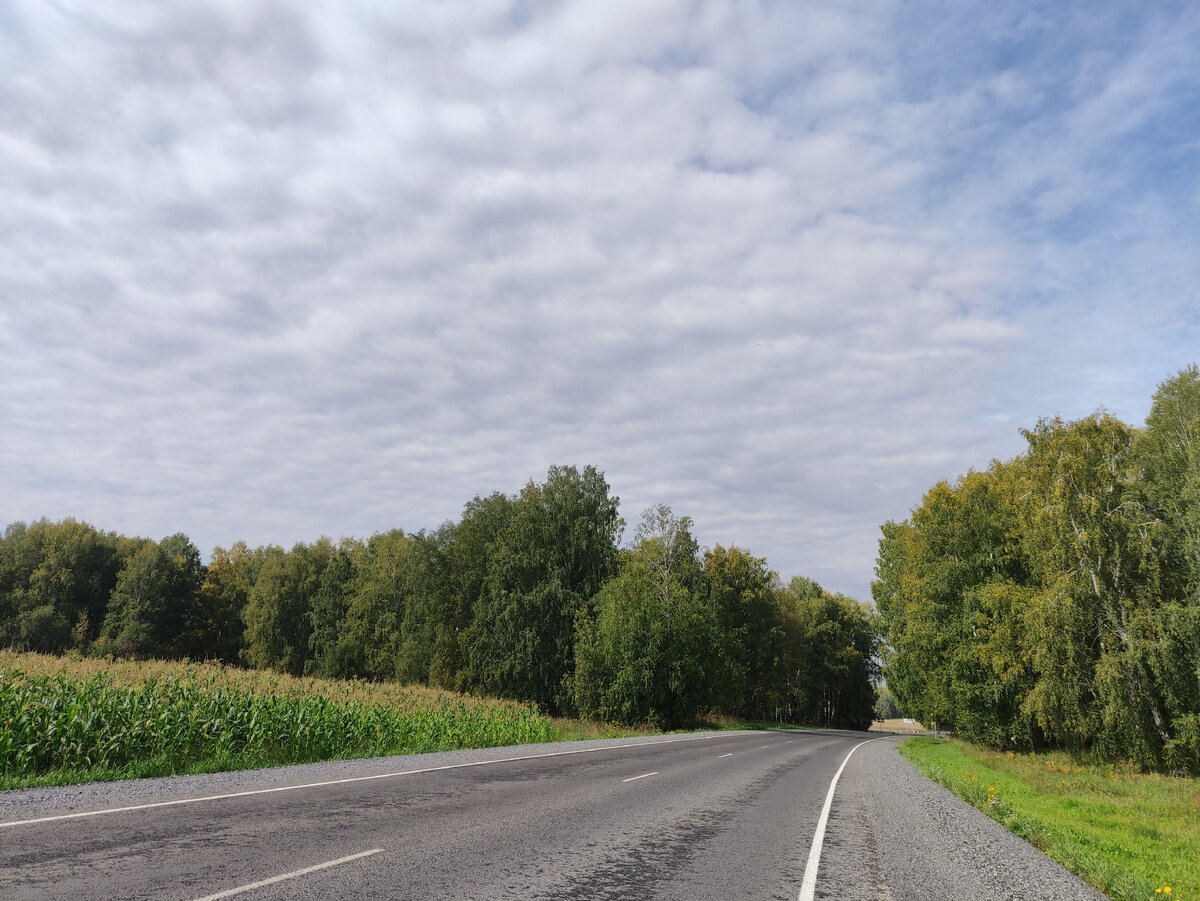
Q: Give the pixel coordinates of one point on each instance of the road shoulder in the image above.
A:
(901, 836)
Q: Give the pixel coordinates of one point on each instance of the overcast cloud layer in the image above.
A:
(270, 271)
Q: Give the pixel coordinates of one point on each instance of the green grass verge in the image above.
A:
(1131, 835)
(567, 729)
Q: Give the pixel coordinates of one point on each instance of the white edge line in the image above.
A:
(808, 886)
(288, 788)
(229, 893)
(643, 776)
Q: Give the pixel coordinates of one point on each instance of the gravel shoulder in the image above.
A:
(915, 840)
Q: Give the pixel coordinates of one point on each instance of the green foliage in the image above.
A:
(1167, 453)
(468, 549)
(1052, 601)
(135, 603)
(42, 629)
(180, 611)
(53, 574)
(216, 629)
(885, 704)
(151, 610)
(550, 560)
(947, 582)
(327, 611)
(832, 657)
(176, 724)
(526, 597)
(647, 649)
(671, 637)
(370, 638)
(426, 633)
(743, 593)
(278, 625)
(1090, 545)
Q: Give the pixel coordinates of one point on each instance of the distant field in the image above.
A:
(1132, 835)
(64, 721)
(258, 682)
(896, 725)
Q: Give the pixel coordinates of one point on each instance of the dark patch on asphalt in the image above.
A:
(634, 869)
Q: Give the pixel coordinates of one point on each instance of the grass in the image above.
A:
(64, 721)
(767, 724)
(1131, 835)
(566, 729)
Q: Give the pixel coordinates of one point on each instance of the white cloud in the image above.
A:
(282, 271)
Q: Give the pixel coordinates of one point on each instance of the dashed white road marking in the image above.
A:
(229, 893)
(725, 755)
(349, 779)
(643, 776)
(808, 886)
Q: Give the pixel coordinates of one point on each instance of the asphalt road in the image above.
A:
(715, 816)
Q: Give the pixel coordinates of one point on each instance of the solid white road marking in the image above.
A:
(289, 788)
(808, 886)
(643, 776)
(229, 893)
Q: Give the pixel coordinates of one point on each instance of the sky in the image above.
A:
(272, 271)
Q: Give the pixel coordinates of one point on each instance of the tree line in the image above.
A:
(1054, 600)
(527, 596)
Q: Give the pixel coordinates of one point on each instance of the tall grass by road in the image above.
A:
(64, 721)
(1134, 836)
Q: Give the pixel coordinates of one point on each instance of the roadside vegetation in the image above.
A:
(64, 721)
(71, 719)
(530, 597)
(1047, 611)
(1053, 601)
(1135, 836)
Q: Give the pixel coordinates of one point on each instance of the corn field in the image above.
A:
(176, 723)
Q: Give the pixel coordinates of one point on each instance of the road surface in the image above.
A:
(707, 816)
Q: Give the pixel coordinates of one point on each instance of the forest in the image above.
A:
(1053, 601)
(529, 596)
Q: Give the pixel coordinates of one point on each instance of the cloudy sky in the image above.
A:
(270, 271)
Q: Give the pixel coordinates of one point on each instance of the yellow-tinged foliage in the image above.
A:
(1053, 601)
(257, 682)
